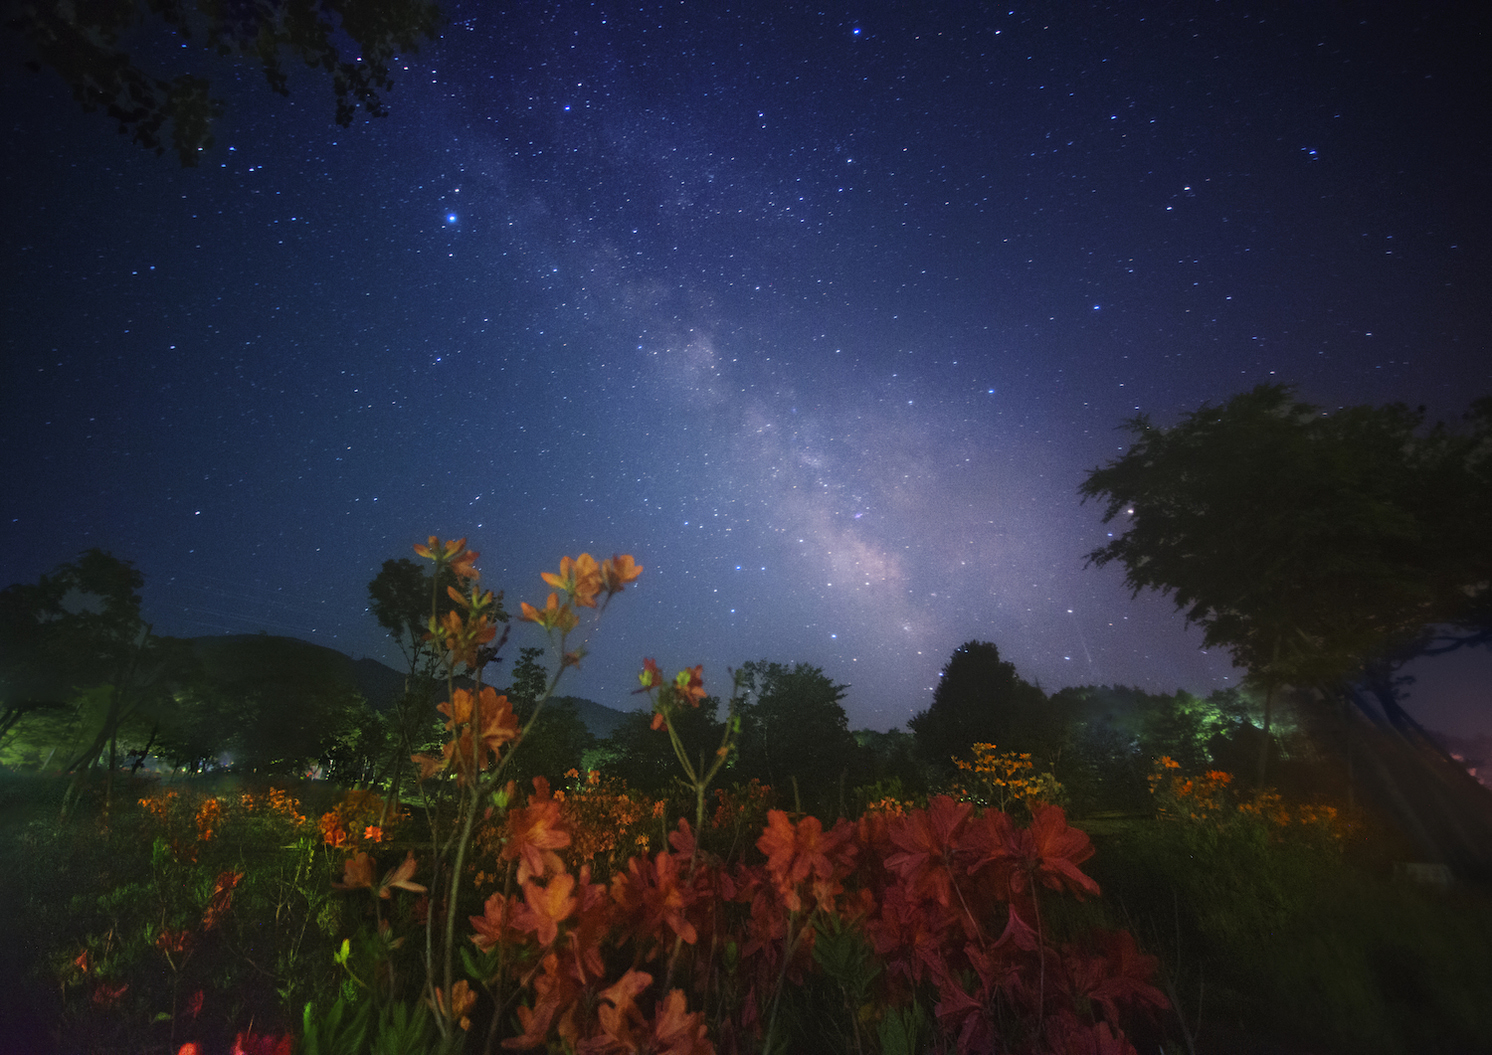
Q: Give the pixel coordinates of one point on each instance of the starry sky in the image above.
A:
(823, 313)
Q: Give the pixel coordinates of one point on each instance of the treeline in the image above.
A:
(88, 689)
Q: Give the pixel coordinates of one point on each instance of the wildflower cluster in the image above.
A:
(947, 899)
(361, 816)
(553, 921)
(1210, 800)
(1005, 780)
(610, 821)
(582, 581)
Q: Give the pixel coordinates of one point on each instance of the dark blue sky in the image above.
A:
(823, 314)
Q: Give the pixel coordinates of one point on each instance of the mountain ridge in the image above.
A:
(377, 682)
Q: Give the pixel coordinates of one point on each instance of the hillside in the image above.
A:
(234, 658)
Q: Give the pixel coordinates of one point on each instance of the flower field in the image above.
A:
(471, 914)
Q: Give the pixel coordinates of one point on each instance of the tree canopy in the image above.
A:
(981, 699)
(94, 48)
(794, 732)
(1305, 542)
(1301, 541)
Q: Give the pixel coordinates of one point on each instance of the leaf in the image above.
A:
(901, 1030)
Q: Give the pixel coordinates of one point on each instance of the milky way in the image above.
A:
(822, 315)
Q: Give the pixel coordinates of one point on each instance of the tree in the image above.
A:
(795, 735)
(401, 595)
(1305, 543)
(644, 757)
(558, 739)
(89, 45)
(279, 704)
(77, 629)
(404, 596)
(980, 699)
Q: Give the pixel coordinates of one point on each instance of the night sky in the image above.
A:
(821, 313)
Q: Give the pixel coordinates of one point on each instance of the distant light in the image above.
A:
(450, 217)
(855, 31)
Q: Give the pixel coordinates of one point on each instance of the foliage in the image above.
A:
(1004, 780)
(76, 636)
(1268, 928)
(1305, 543)
(892, 756)
(637, 755)
(981, 699)
(399, 596)
(603, 918)
(1110, 732)
(795, 735)
(712, 939)
(89, 45)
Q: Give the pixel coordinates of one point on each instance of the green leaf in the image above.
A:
(901, 1030)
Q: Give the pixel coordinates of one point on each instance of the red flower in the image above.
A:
(495, 925)
(796, 853)
(106, 995)
(535, 831)
(246, 1043)
(1121, 975)
(649, 894)
(1053, 852)
(928, 841)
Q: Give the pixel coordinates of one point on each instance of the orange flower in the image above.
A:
(169, 941)
(373, 834)
(429, 765)
(462, 1001)
(222, 897)
(462, 638)
(796, 854)
(535, 831)
(580, 578)
(547, 907)
(357, 873)
(495, 924)
(554, 616)
(453, 555)
(617, 572)
(494, 723)
(618, 1013)
(332, 832)
(678, 1031)
(650, 675)
(400, 877)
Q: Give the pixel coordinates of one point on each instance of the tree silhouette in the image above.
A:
(981, 699)
(92, 46)
(794, 734)
(1305, 543)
